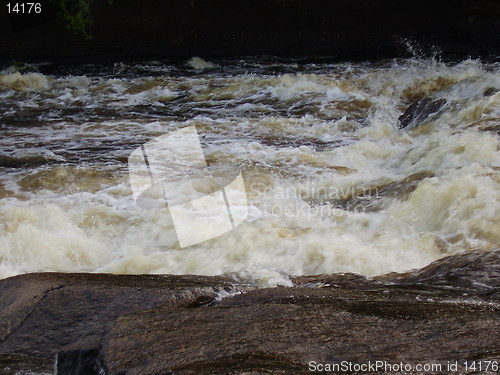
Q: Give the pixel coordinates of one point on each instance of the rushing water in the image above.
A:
(333, 184)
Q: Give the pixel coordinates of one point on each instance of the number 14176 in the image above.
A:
(24, 8)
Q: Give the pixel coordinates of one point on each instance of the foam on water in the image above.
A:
(309, 146)
(24, 82)
(199, 64)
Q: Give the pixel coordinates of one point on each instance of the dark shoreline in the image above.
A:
(165, 324)
(354, 30)
(75, 66)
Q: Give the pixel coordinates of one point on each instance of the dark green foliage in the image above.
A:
(77, 15)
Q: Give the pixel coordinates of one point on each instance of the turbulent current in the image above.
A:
(333, 184)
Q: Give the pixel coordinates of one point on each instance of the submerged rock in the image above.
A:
(117, 325)
(490, 91)
(420, 111)
(370, 199)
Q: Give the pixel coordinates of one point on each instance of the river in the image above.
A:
(333, 184)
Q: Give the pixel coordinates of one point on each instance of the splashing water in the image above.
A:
(333, 184)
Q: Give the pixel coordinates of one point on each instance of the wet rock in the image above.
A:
(117, 325)
(43, 314)
(281, 330)
(8, 161)
(473, 273)
(490, 91)
(371, 199)
(420, 111)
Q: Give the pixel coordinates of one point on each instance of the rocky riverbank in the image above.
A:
(162, 324)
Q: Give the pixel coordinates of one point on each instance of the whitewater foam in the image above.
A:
(333, 184)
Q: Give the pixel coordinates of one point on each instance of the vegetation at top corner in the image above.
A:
(77, 15)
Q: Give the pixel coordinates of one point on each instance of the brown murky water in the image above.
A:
(333, 184)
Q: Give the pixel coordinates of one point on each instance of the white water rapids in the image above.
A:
(310, 139)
